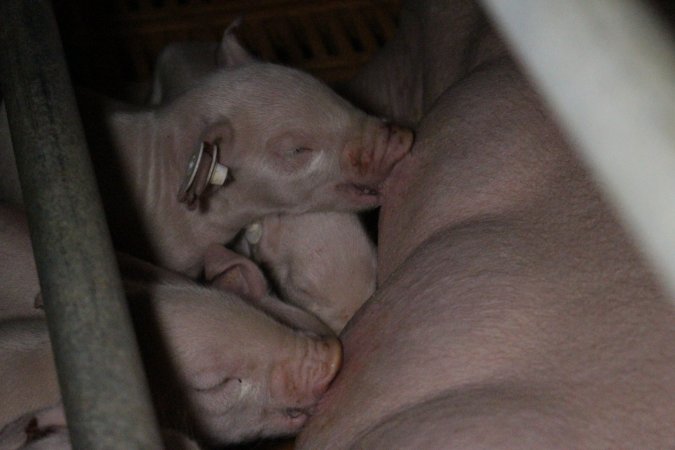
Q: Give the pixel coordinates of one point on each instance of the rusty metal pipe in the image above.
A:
(102, 382)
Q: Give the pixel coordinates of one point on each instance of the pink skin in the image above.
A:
(228, 369)
(322, 262)
(513, 309)
(285, 155)
(309, 151)
(286, 387)
(241, 374)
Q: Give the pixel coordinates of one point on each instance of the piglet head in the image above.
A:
(291, 144)
(242, 374)
(224, 368)
(324, 263)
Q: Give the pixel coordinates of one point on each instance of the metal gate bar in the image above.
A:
(607, 68)
(102, 382)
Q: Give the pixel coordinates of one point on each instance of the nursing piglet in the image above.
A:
(322, 262)
(240, 373)
(287, 142)
(217, 364)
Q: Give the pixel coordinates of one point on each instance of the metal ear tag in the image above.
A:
(217, 174)
(191, 172)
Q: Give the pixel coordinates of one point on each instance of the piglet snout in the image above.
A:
(381, 147)
(390, 144)
(369, 160)
(300, 384)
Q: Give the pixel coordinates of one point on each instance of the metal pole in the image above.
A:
(102, 383)
(607, 68)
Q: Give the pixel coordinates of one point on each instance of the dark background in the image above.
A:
(111, 43)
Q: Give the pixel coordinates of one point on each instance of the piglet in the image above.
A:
(239, 372)
(322, 262)
(275, 139)
(278, 140)
(217, 364)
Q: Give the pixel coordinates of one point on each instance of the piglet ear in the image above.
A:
(218, 133)
(210, 164)
(230, 52)
(233, 272)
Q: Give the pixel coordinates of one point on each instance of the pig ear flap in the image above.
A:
(230, 52)
(215, 140)
(218, 133)
(233, 272)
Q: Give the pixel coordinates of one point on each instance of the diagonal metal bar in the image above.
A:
(100, 373)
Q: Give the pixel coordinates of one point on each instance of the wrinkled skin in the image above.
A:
(322, 262)
(309, 151)
(218, 366)
(514, 311)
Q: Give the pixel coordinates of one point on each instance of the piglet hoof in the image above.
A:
(39, 430)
